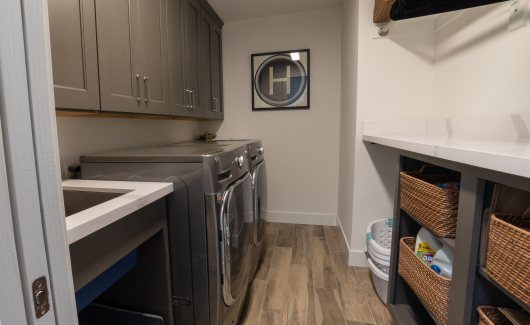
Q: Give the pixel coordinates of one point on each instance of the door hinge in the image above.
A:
(40, 297)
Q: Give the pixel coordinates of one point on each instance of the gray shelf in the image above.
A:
(449, 242)
(408, 315)
(482, 271)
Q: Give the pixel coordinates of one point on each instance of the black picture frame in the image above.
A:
(307, 90)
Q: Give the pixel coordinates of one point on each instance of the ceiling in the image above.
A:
(232, 10)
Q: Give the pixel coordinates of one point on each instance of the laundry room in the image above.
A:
(221, 162)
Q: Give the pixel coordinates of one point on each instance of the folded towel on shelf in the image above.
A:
(407, 9)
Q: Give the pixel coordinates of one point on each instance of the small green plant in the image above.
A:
(206, 137)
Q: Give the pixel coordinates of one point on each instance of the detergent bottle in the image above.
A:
(426, 246)
(442, 263)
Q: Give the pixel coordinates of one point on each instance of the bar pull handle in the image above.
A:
(139, 92)
(192, 98)
(214, 104)
(147, 89)
(190, 104)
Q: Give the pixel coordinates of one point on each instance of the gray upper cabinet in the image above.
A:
(121, 82)
(179, 98)
(206, 64)
(192, 56)
(137, 56)
(211, 67)
(217, 71)
(74, 53)
(153, 56)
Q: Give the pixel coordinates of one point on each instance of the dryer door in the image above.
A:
(259, 184)
(237, 218)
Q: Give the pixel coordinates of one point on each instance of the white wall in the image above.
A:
(481, 68)
(394, 82)
(82, 135)
(348, 111)
(302, 146)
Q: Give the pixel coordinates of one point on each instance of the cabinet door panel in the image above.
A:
(206, 64)
(153, 55)
(74, 53)
(193, 17)
(177, 72)
(217, 71)
(118, 49)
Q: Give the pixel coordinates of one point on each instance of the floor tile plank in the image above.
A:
(301, 245)
(322, 271)
(328, 307)
(378, 308)
(334, 238)
(277, 293)
(253, 302)
(298, 301)
(355, 306)
(273, 317)
(316, 231)
(272, 228)
(285, 235)
(268, 242)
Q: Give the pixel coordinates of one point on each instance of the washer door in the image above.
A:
(236, 214)
(259, 184)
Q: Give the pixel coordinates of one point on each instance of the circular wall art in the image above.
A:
(280, 80)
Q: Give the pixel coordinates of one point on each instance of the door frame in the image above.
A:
(29, 139)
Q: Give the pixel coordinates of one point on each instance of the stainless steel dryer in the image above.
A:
(210, 221)
(258, 171)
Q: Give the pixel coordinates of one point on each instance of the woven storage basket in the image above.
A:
(434, 207)
(508, 261)
(382, 11)
(432, 289)
(492, 316)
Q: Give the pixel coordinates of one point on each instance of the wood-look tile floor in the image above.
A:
(304, 278)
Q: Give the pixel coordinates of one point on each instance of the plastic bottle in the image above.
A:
(442, 263)
(426, 246)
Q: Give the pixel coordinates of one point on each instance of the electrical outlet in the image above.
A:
(68, 175)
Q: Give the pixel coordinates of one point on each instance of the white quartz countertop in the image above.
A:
(510, 156)
(499, 142)
(136, 195)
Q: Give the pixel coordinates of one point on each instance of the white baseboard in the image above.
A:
(302, 218)
(355, 258)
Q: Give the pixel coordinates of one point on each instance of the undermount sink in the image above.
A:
(91, 205)
(77, 201)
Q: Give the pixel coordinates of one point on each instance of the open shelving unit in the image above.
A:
(471, 286)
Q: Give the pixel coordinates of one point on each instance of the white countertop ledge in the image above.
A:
(137, 195)
(510, 156)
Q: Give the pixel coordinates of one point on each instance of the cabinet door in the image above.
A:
(74, 53)
(121, 84)
(206, 64)
(153, 55)
(192, 11)
(177, 77)
(217, 71)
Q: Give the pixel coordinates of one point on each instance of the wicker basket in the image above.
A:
(492, 316)
(434, 207)
(382, 11)
(508, 261)
(432, 289)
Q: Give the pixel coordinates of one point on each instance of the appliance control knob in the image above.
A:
(261, 151)
(240, 161)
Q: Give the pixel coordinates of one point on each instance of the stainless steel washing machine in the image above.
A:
(210, 221)
(258, 170)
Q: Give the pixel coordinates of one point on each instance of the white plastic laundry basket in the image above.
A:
(379, 236)
(380, 281)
